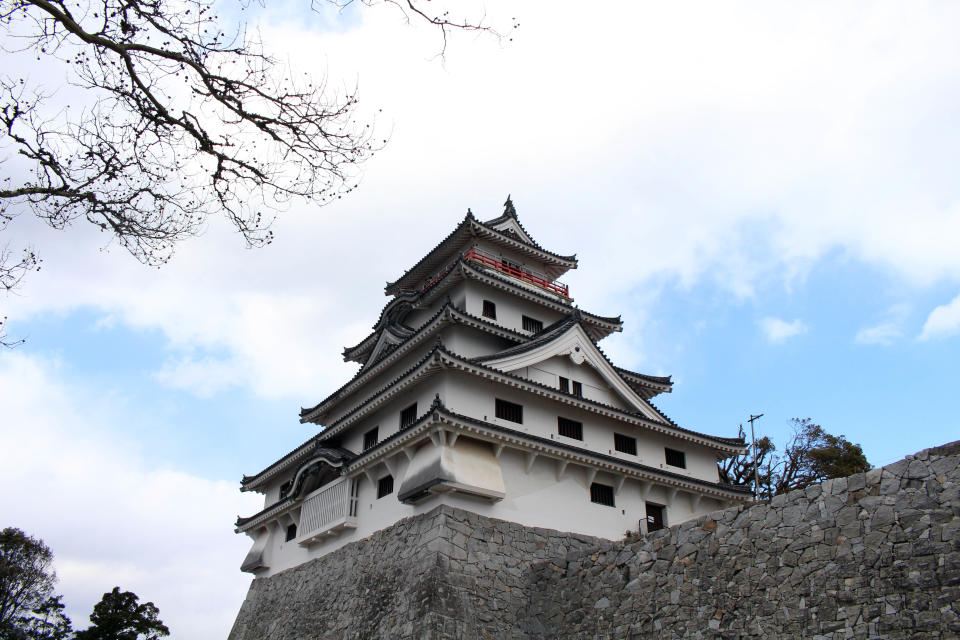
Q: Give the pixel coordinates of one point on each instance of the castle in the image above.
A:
(482, 387)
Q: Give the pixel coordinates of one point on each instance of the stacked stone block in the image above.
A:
(874, 555)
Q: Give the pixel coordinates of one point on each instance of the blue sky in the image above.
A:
(766, 194)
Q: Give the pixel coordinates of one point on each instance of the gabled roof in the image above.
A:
(446, 315)
(505, 231)
(439, 358)
(392, 313)
(569, 338)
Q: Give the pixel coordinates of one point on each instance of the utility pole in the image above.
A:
(756, 472)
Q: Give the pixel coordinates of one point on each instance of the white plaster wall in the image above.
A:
(387, 418)
(595, 387)
(477, 398)
(470, 343)
(510, 310)
(533, 498)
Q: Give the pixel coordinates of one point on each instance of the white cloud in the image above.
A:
(777, 330)
(888, 330)
(884, 333)
(658, 146)
(113, 515)
(943, 321)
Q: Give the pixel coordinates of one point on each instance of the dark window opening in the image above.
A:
(676, 458)
(564, 385)
(577, 389)
(512, 267)
(384, 486)
(408, 416)
(532, 325)
(570, 428)
(370, 438)
(291, 532)
(509, 411)
(654, 517)
(489, 309)
(625, 444)
(602, 494)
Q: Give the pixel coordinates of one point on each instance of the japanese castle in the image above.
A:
(483, 387)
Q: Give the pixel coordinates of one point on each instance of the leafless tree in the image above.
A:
(180, 119)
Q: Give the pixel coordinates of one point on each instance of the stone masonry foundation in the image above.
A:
(873, 555)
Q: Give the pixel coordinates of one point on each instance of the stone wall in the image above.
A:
(448, 573)
(871, 555)
(876, 554)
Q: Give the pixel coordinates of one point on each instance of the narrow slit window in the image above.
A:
(564, 385)
(602, 494)
(625, 444)
(577, 389)
(509, 411)
(408, 416)
(370, 438)
(532, 324)
(570, 428)
(384, 486)
(291, 532)
(489, 309)
(676, 458)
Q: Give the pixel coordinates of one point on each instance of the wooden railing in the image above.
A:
(328, 509)
(521, 274)
(473, 255)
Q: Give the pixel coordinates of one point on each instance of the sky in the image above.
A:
(767, 193)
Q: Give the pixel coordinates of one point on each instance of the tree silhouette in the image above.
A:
(119, 616)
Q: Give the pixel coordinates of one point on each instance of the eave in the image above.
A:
(445, 316)
(463, 234)
(440, 416)
(440, 358)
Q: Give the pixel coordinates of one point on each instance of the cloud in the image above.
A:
(658, 147)
(887, 330)
(777, 330)
(112, 514)
(943, 321)
(884, 333)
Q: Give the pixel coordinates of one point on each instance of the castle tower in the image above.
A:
(483, 387)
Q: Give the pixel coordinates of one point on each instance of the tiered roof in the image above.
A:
(504, 231)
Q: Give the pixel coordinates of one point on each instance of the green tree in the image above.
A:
(119, 616)
(812, 455)
(29, 609)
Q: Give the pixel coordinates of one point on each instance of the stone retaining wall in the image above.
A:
(871, 555)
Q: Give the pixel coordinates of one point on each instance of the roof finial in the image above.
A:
(508, 209)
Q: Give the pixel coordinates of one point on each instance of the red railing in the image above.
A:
(551, 286)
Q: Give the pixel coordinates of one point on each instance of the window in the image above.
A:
(291, 532)
(489, 309)
(654, 517)
(512, 267)
(570, 428)
(509, 411)
(408, 416)
(564, 385)
(577, 389)
(370, 438)
(384, 486)
(676, 458)
(625, 444)
(601, 494)
(532, 325)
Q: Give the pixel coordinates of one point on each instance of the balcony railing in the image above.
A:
(513, 271)
(519, 273)
(328, 510)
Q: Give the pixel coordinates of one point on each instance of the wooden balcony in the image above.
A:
(328, 511)
(524, 275)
